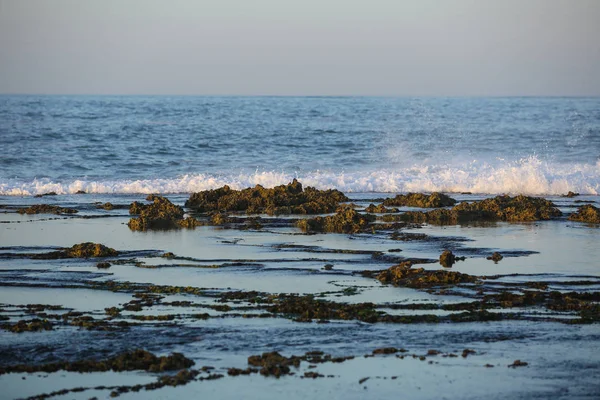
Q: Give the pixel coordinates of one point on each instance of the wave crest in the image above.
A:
(527, 176)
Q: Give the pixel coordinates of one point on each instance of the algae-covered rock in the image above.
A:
(587, 213)
(128, 361)
(81, 250)
(404, 275)
(160, 214)
(495, 257)
(274, 363)
(89, 249)
(346, 220)
(447, 258)
(500, 208)
(46, 209)
(433, 200)
(380, 209)
(284, 199)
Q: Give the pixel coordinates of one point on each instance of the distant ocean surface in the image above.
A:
(161, 144)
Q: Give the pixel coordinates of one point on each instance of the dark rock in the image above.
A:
(571, 194)
(103, 265)
(518, 363)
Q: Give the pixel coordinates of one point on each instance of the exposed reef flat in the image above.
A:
(293, 290)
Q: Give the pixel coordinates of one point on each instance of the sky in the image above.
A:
(306, 47)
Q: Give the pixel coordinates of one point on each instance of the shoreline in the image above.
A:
(239, 286)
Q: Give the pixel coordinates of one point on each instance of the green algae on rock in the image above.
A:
(500, 208)
(160, 214)
(284, 199)
(587, 213)
(46, 209)
(434, 200)
(346, 220)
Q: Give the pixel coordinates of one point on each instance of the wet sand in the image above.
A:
(231, 291)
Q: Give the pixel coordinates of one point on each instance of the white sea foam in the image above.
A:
(527, 176)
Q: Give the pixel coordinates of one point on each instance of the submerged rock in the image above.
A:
(46, 209)
(587, 213)
(500, 208)
(346, 220)
(284, 199)
(160, 214)
(433, 200)
(404, 275)
(495, 257)
(273, 363)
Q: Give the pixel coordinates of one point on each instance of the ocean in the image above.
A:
(183, 144)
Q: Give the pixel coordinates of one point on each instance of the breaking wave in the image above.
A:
(526, 176)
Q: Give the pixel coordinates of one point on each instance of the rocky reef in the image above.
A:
(46, 209)
(160, 214)
(284, 199)
(129, 361)
(587, 213)
(500, 208)
(404, 275)
(346, 220)
(81, 250)
(434, 200)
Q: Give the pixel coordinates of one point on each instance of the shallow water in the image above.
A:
(562, 358)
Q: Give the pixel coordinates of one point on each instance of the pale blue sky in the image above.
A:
(307, 47)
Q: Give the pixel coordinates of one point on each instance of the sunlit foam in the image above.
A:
(528, 176)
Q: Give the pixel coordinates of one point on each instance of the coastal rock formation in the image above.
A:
(346, 220)
(160, 214)
(81, 250)
(500, 208)
(380, 209)
(447, 258)
(434, 200)
(285, 199)
(587, 213)
(404, 275)
(495, 257)
(46, 209)
(128, 361)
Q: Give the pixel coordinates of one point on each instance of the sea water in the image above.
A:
(182, 144)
